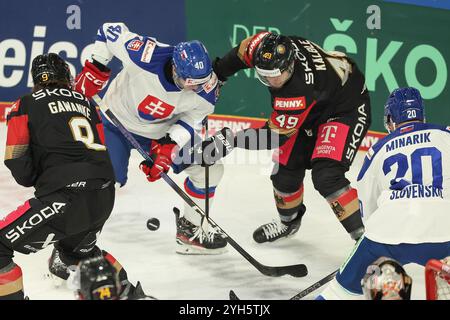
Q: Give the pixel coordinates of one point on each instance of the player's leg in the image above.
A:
(119, 150)
(82, 223)
(70, 250)
(27, 230)
(193, 234)
(11, 283)
(337, 142)
(329, 179)
(421, 253)
(288, 194)
(287, 180)
(347, 283)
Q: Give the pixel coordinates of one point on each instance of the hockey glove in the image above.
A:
(218, 146)
(161, 153)
(91, 80)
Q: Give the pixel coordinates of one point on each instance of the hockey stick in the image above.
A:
(315, 286)
(303, 293)
(298, 270)
(206, 175)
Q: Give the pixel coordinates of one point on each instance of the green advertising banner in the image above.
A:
(395, 45)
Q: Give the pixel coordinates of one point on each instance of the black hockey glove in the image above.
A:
(218, 146)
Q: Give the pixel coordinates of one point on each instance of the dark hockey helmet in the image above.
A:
(386, 279)
(273, 55)
(50, 68)
(97, 280)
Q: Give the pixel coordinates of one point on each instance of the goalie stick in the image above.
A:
(298, 270)
(303, 293)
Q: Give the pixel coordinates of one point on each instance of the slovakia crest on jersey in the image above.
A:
(152, 108)
(135, 45)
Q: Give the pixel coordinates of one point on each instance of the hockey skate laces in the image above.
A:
(202, 235)
(273, 229)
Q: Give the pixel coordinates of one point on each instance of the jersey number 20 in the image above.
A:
(416, 165)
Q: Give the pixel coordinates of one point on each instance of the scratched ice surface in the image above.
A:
(243, 201)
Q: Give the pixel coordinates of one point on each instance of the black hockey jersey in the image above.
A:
(55, 138)
(321, 84)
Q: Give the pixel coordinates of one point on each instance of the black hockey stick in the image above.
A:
(315, 286)
(303, 293)
(298, 270)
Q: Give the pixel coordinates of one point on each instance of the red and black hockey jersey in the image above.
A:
(55, 138)
(321, 84)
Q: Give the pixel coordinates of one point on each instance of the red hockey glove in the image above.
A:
(91, 79)
(161, 154)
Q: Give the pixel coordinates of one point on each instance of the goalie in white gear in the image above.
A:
(403, 186)
(162, 95)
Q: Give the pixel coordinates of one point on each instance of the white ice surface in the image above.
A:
(243, 201)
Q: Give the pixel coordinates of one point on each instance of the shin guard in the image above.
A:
(11, 283)
(289, 205)
(345, 206)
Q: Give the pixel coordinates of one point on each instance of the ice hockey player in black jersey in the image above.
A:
(97, 278)
(321, 112)
(55, 144)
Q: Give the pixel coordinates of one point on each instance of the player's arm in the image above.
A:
(238, 58)
(224, 141)
(111, 41)
(184, 130)
(18, 158)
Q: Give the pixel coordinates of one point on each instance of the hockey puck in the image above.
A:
(153, 224)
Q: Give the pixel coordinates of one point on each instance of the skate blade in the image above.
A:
(279, 240)
(189, 249)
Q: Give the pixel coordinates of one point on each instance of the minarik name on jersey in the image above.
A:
(416, 191)
(408, 140)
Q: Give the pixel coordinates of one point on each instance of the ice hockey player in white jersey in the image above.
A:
(161, 96)
(404, 191)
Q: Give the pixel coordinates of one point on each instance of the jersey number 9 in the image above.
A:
(82, 131)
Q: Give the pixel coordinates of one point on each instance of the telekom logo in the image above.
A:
(328, 132)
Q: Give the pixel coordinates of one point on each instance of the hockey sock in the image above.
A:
(11, 284)
(345, 206)
(289, 205)
(198, 194)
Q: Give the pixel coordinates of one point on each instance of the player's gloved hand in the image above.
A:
(399, 184)
(218, 146)
(161, 153)
(91, 79)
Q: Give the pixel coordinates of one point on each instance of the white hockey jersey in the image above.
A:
(404, 186)
(140, 95)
